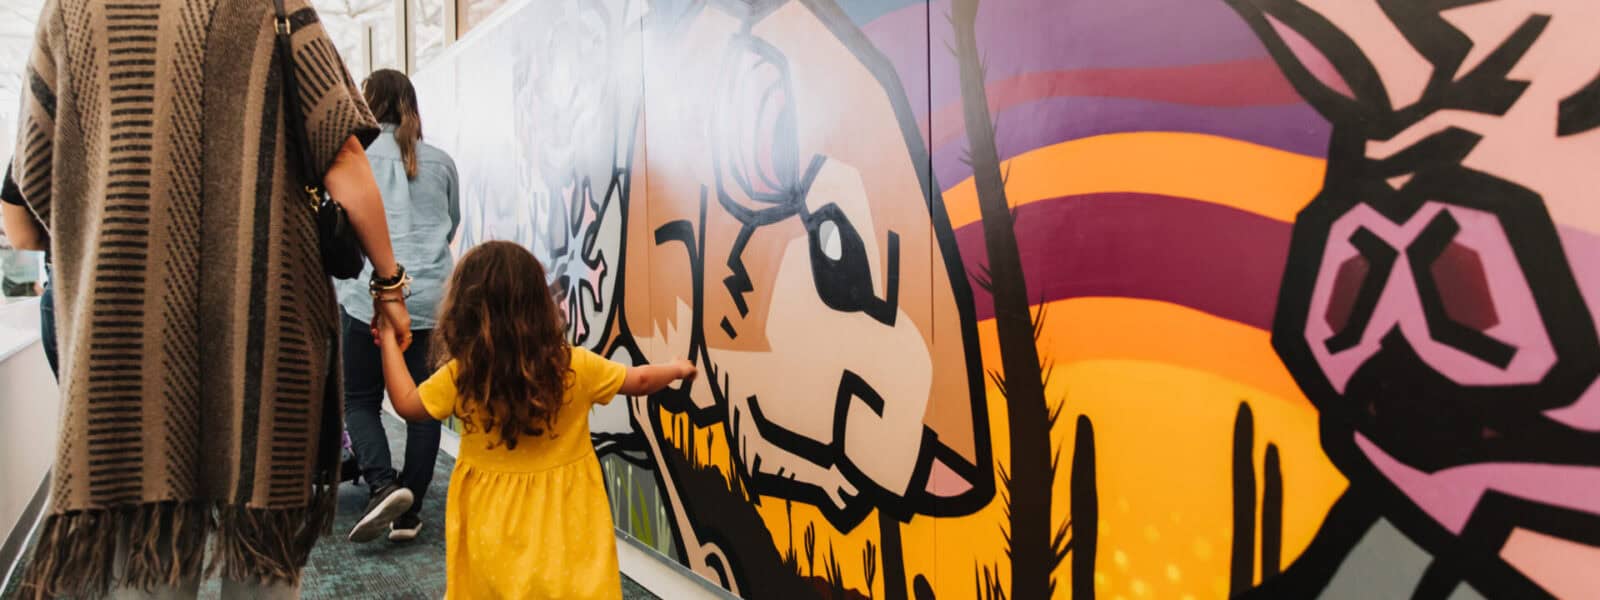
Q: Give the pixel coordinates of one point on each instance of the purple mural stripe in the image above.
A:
(1023, 36)
(1212, 258)
(1232, 84)
(1026, 127)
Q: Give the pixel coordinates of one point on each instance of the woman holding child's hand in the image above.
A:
(390, 309)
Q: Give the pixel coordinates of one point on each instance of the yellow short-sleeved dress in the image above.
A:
(531, 522)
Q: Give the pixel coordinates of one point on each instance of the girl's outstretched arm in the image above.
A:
(649, 379)
(397, 378)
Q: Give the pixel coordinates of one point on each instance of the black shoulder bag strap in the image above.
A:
(336, 240)
(342, 256)
(294, 121)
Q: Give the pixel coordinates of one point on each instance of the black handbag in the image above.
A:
(342, 256)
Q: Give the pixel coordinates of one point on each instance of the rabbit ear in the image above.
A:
(1324, 64)
(1309, 57)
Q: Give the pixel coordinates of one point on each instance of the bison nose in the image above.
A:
(944, 482)
(957, 460)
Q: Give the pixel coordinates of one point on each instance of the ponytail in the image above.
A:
(394, 102)
(408, 134)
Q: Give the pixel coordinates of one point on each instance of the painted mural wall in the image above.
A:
(1067, 298)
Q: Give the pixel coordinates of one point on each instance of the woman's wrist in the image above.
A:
(387, 269)
(393, 277)
(387, 287)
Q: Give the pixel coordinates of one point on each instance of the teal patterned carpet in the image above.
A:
(380, 569)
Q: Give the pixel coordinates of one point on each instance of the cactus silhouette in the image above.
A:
(1030, 478)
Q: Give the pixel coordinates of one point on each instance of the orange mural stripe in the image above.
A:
(1082, 329)
(1262, 180)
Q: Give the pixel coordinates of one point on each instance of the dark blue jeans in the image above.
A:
(363, 401)
(47, 328)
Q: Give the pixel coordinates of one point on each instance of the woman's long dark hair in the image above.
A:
(394, 101)
(503, 330)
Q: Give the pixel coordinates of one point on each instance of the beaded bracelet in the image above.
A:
(404, 285)
(390, 283)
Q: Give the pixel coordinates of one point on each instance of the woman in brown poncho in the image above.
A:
(197, 325)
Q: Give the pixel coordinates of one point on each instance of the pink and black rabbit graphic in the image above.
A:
(1439, 303)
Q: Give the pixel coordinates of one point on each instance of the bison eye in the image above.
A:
(841, 270)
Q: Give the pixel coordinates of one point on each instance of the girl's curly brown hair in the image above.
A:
(503, 330)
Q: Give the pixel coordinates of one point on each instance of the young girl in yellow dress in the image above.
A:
(527, 515)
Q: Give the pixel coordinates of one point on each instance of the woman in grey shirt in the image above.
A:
(422, 199)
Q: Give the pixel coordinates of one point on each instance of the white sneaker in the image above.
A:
(405, 528)
(386, 506)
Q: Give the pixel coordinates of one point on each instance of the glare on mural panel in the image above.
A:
(1039, 299)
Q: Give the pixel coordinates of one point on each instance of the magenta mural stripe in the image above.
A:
(1026, 127)
(1231, 84)
(1022, 36)
(1212, 258)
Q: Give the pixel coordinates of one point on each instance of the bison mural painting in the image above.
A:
(1061, 298)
